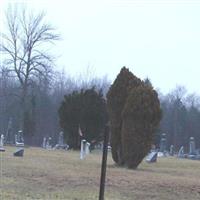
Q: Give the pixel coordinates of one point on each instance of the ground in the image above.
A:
(49, 175)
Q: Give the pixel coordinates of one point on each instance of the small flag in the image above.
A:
(79, 131)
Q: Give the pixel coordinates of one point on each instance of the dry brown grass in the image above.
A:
(49, 175)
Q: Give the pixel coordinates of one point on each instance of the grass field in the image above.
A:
(48, 175)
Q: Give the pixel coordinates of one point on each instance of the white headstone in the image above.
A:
(2, 143)
(171, 150)
(192, 146)
(48, 143)
(82, 153)
(2, 140)
(87, 148)
(181, 152)
(44, 143)
(61, 139)
(19, 140)
(152, 157)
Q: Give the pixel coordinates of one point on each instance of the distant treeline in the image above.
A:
(180, 110)
(43, 101)
(181, 118)
(31, 91)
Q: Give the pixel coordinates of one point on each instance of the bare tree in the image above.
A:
(25, 47)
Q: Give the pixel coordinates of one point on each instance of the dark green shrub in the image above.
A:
(134, 112)
(86, 109)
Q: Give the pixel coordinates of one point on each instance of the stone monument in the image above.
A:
(19, 140)
(192, 150)
(2, 143)
(181, 152)
(163, 143)
(171, 150)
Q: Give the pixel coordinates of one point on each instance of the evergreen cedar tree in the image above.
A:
(85, 109)
(134, 111)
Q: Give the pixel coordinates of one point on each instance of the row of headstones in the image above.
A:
(19, 140)
(192, 149)
(19, 152)
(47, 144)
(193, 153)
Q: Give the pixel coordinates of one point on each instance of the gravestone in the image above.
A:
(61, 139)
(61, 144)
(152, 157)
(19, 140)
(2, 143)
(171, 150)
(19, 153)
(44, 143)
(87, 148)
(163, 143)
(48, 143)
(83, 147)
(181, 152)
(192, 150)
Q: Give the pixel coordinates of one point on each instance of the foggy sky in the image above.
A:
(155, 39)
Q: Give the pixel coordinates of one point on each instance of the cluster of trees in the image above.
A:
(181, 117)
(31, 90)
(83, 114)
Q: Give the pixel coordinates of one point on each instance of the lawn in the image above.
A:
(49, 175)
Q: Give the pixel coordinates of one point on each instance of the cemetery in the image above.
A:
(71, 169)
(43, 174)
(70, 136)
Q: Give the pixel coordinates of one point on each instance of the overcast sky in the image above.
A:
(156, 39)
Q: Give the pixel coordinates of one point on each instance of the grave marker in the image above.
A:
(2, 143)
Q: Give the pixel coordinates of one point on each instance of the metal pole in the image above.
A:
(104, 162)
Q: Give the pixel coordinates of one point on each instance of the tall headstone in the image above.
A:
(181, 152)
(44, 143)
(61, 139)
(19, 139)
(192, 150)
(2, 143)
(171, 150)
(163, 143)
(87, 148)
(83, 146)
(48, 143)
